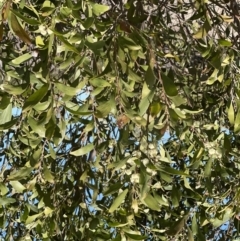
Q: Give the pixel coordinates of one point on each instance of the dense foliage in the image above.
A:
(119, 120)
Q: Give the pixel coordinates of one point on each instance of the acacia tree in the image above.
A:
(90, 91)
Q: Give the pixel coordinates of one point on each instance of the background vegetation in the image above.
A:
(89, 90)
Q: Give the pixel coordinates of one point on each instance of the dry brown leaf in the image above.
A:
(5, 10)
(19, 31)
(1, 31)
(122, 120)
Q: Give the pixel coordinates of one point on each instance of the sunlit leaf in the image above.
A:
(151, 202)
(20, 174)
(99, 9)
(231, 114)
(6, 200)
(17, 186)
(22, 58)
(228, 213)
(3, 189)
(118, 200)
(36, 97)
(83, 150)
(32, 218)
(6, 114)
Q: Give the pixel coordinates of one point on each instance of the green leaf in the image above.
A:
(47, 174)
(201, 33)
(88, 22)
(96, 82)
(117, 225)
(32, 218)
(66, 44)
(150, 78)
(194, 225)
(160, 199)
(224, 42)
(168, 85)
(20, 174)
(147, 97)
(177, 226)
(186, 183)
(112, 189)
(30, 21)
(17, 186)
(6, 115)
(14, 74)
(36, 126)
(231, 114)
(22, 58)
(208, 168)
(105, 108)
(35, 158)
(36, 97)
(78, 113)
(117, 201)
(192, 111)
(96, 47)
(83, 150)
(99, 9)
(5, 101)
(8, 124)
(24, 215)
(42, 106)
(180, 113)
(50, 128)
(151, 202)
(84, 176)
(117, 165)
(6, 200)
(15, 90)
(190, 234)
(175, 196)
(94, 223)
(135, 236)
(172, 171)
(3, 189)
(237, 122)
(228, 213)
(71, 91)
(39, 42)
(128, 43)
(155, 108)
(178, 100)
